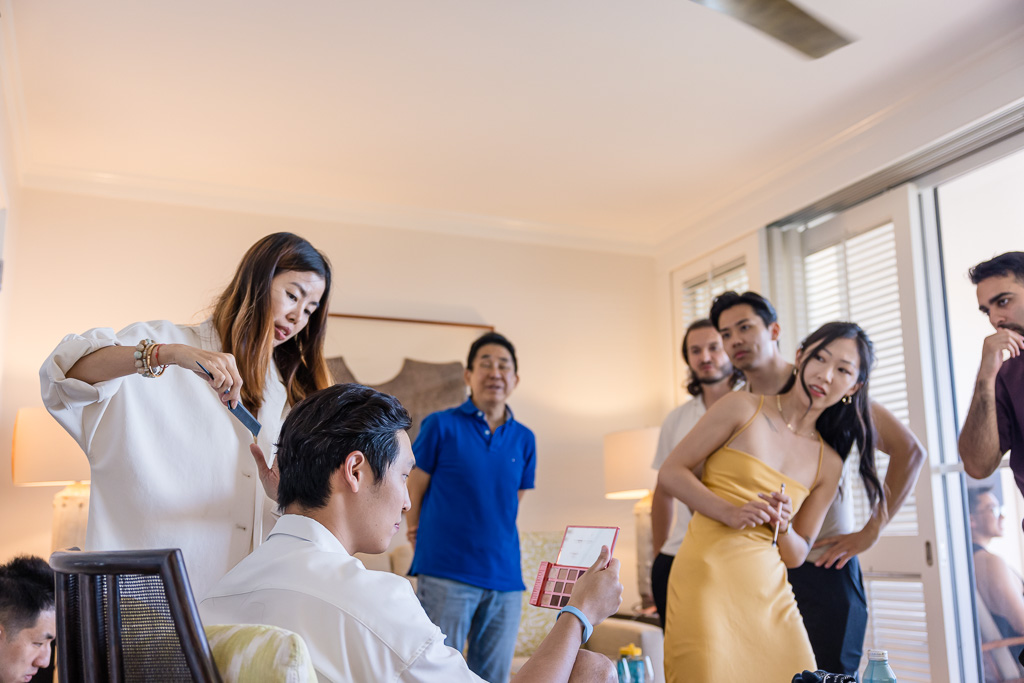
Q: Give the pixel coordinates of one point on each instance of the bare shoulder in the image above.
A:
(738, 401)
(894, 437)
(880, 411)
(989, 569)
(985, 559)
(831, 465)
(732, 411)
(884, 420)
(994, 566)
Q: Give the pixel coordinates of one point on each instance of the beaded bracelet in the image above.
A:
(143, 354)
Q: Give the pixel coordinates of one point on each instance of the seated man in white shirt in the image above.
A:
(343, 459)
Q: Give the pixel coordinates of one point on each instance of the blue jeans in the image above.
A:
(487, 619)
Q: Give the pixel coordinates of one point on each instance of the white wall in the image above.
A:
(582, 321)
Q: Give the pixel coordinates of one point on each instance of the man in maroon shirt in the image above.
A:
(995, 421)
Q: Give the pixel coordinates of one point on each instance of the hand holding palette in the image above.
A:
(581, 546)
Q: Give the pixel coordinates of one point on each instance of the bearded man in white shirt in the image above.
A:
(344, 458)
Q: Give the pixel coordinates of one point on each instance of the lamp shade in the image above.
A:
(43, 453)
(627, 463)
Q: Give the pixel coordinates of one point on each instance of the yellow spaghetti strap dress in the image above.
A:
(731, 611)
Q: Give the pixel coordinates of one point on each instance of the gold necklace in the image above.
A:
(778, 404)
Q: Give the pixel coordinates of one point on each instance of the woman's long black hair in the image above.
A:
(848, 423)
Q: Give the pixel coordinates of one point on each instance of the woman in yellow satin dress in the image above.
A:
(731, 611)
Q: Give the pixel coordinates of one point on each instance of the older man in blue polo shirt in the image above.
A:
(473, 464)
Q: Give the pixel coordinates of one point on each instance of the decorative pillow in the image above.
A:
(535, 547)
(255, 653)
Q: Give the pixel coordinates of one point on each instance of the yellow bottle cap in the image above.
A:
(630, 650)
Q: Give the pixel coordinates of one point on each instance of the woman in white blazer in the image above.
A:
(171, 466)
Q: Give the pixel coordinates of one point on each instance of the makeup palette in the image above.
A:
(581, 546)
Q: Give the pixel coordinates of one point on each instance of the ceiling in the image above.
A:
(607, 122)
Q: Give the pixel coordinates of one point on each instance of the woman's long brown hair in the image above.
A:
(243, 320)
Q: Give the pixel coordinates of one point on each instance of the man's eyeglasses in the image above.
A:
(490, 365)
(996, 510)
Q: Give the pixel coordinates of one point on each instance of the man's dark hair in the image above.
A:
(1010, 263)
(27, 587)
(491, 338)
(324, 428)
(974, 497)
(726, 300)
(695, 386)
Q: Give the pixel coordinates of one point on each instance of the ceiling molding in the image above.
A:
(248, 200)
(796, 179)
(307, 207)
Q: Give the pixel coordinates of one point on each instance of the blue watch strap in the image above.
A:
(588, 628)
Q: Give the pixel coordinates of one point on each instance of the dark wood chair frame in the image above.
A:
(90, 665)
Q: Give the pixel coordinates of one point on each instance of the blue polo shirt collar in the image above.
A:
(469, 408)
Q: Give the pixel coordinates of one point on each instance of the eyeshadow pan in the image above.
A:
(563, 601)
(562, 571)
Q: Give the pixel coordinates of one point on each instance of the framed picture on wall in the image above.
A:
(420, 362)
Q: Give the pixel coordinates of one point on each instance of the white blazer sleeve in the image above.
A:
(67, 398)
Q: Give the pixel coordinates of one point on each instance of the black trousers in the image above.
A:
(660, 569)
(835, 612)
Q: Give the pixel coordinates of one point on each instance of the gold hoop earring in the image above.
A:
(848, 399)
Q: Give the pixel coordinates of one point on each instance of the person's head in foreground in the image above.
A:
(986, 514)
(27, 618)
(1000, 283)
(833, 365)
(344, 458)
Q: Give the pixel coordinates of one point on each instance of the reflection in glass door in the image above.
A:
(980, 214)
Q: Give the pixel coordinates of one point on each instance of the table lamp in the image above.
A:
(43, 454)
(627, 463)
(628, 476)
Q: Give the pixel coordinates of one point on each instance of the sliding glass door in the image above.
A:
(974, 210)
(866, 265)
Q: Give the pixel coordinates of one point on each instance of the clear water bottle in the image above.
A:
(877, 670)
(633, 666)
(622, 668)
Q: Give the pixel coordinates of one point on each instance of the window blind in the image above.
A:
(897, 623)
(699, 292)
(857, 279)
